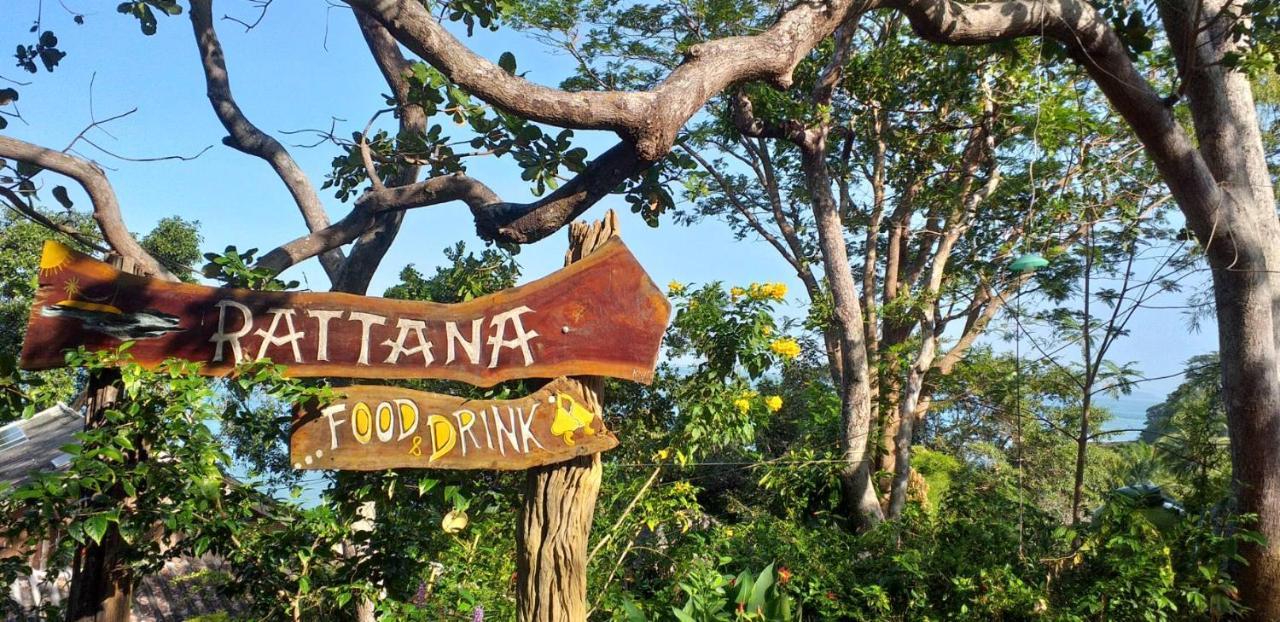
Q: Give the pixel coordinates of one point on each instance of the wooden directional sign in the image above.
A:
(601, 316)
(381, 427)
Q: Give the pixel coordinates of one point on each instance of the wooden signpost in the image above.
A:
(379, 427)
(601, 316)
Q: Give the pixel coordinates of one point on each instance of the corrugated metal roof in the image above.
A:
(185, 588)
(46, 432)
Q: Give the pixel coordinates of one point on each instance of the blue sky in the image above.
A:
(303, 66)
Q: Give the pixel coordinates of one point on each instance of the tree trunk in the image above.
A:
(560, 501)
(1241, 237)
(855, 391)
(908, 411)
(101, 586)
(1251, 391)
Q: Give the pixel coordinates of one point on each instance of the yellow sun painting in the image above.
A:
(54, 258)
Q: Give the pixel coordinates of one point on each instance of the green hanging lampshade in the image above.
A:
(1029, 262)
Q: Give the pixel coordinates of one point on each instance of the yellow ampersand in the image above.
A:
(416, 449)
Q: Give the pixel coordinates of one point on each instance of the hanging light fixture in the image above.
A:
(1029, 262)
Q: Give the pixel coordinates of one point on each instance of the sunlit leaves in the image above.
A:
(145, 12)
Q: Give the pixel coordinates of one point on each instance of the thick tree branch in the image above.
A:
(372, 244)
(372, 205)
(106, 210)
(648, 119)
(519, 223)
(245, 137)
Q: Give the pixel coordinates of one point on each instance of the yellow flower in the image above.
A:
(766, 331)
(675, 288)
(773, 403)
(766, 291)
(786, 348)
(736, 293)
(742, 404)
(662, 454)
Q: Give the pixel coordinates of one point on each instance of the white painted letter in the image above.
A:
(322, 317)
(269, 337)
(329, 412)
(526, 434)
(466, 419)
(498, 341)
(506, 429)
(472, 348)
(222, 336)
(366, 320)
(397, 347)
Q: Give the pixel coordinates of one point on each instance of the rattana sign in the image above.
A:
(600, 316)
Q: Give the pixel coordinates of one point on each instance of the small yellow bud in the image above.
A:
(773, 403)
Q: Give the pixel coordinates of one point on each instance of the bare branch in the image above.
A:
(30, 213)
(155, 159)
(247, 138)
(106, 210)
(519, 223)
(1095, 46)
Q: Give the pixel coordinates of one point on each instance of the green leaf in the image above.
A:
(507, 62)
(632, 612)
(760, 589)
(60, 193)
(96, 527)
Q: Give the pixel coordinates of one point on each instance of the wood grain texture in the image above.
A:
(382, 427)
(560, 499)
(601, 316)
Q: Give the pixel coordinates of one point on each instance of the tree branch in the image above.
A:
(106, 209)
(1095, 46)
(245, 137)
(518, 223)
(30, 213)
(372, 244)
(648, 119)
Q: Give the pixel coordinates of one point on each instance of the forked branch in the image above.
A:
(106, 209)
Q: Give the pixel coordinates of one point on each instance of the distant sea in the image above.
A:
(1128, 413)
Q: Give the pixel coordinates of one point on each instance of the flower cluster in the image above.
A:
(760, 291)
(743, 404)
(786, 348)
(675, 288)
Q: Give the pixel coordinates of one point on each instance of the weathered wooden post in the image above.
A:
(101, 585)
(560, 499)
